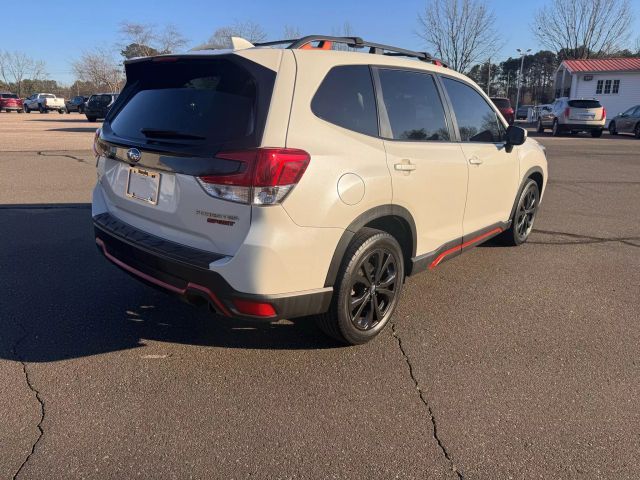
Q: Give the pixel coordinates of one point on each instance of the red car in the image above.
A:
(504, 105)
(10, 101)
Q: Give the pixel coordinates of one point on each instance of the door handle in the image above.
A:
(405, 166)
(475, 160)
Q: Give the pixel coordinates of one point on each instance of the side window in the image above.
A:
(346, 98)
(477, 121)
(413, 105)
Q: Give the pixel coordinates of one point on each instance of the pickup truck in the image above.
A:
(44, 103)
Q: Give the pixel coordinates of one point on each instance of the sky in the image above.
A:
(81, 25)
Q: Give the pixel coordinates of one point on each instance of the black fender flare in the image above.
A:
(525, 177)
(360, 221)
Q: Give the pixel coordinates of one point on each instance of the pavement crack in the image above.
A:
(38, 397)
(423, 399)
(583, 239)
(66, 155)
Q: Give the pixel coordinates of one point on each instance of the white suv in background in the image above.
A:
(573, 116)
(290, 179)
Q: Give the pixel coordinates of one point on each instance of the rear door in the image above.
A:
(493, 169)
(161, 141)
(626, 122)
(428, 168)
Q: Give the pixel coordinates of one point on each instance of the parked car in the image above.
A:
(76, 104)
(266, 205)
(504, 105)
(523, 112)
(98, 105)
(10, 102)
(627, 122)
(573, 116)
(44, 103)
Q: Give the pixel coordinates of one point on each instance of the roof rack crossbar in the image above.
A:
(356, 42)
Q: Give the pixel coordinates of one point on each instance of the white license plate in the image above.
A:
(143, 185)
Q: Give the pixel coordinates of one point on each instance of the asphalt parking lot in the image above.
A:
(502, 363)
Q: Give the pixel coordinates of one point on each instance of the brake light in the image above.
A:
(567, 112)
(604, 113)
(509, 111)
(263, 176)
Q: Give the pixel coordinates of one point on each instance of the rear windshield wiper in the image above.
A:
(154, 133)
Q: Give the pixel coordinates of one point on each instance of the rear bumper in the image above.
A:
(581, 126)
(11, 107)
(182, 270)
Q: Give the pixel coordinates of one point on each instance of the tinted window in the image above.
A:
(102, 100)
(584, 103)
(501, 102)
(8, 95)
(200, 102)
(477, 121)
(346, 98)
(413, 106)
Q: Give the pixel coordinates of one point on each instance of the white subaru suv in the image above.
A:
(290, 178)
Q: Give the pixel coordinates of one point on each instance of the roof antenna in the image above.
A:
(240, 43)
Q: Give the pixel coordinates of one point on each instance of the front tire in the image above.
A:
(91, 119)
(637, 131)
(555, 130)
(612, 128)
(367, 288)
(524, 216)
(540, 128)
(26, 109)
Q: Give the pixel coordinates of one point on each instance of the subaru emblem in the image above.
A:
(134, 155)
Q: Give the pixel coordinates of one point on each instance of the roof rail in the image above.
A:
(354, 42)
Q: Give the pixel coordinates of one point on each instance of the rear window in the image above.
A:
(100, 99)
(48, 95)
(345, 98)
(501, 102)
(8, 95)
(584, 104)
(194, 102)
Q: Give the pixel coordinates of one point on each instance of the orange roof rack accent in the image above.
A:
(322, 45)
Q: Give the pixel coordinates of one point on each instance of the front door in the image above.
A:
(493, 168)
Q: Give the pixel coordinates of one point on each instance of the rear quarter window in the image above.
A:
(345, 98)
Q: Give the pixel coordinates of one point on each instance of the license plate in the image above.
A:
(143, 185)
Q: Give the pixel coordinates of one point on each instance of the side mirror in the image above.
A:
(515, 136)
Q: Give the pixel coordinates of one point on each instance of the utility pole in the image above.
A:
(522, 55)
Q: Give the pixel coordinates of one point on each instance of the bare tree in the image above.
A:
(583, 28)
(144, 40)
(344, 30)
(291, 32)
(461, 32)
(248, 30)
(18, 66)
(101, 68)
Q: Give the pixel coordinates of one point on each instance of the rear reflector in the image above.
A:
(264, 175)
(255, 309)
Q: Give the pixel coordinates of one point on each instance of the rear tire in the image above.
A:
(367, 288)
(637, 131)
(524, 216)
(41, 109)
(612, 129)
(540, 128)
(596, 133)
(91, 119)
(555, 130)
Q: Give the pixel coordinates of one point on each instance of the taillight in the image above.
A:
(604, 113)
(263, 176)
(567, 111)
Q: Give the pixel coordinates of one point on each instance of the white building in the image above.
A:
(615, 82)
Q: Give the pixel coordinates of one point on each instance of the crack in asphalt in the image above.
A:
(423, 399)
(43, 153)
(14, 350)
(584, 239)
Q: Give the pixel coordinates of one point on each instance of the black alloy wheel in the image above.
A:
(373, 288)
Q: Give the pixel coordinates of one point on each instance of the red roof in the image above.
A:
(603, 65)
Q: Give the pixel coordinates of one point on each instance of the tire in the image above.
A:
(612, 128)
(555, 130)
(19, 111)
(637, 131)
(540, 128)
(596, 133)
(359, 312)
(524, 216)
(41, 109)
(68, 112)
(91, 119)
(26, 109)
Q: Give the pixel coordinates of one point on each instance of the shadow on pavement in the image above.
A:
(74, 130)
(62, 118)
(61, 299)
